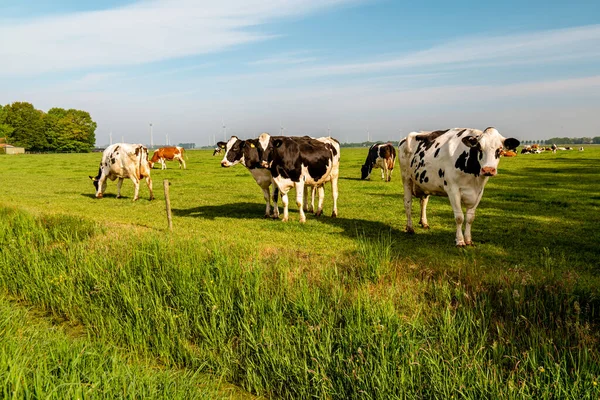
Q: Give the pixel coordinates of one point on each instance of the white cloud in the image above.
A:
(139, 33)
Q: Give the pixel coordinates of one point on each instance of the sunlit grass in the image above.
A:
(337, 308)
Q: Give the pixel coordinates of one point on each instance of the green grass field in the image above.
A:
(98, 299)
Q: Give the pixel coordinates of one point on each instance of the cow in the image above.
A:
(123, 160)
(554, 147)
(217, 150)
(382, 155)
(246, 153)
(168, 153)
(295, 162)
(508, 153)
(456, 163)
(581, 148)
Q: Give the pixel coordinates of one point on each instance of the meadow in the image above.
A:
(98, 299)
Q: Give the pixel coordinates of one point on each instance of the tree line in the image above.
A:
(57, 130)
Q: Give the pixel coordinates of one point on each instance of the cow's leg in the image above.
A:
(459, 216)
(321, 190)
(163, 163)
(299, 198)
(149, 184)
(469, 221)
(275, 198)
(136, 185)
(119, 183)
(334, 191)
(306, 202)
(267, 196)
(383, 171)
(312, 201)
(408, 205)
(101, 186)
(284, 200)
(423, 221)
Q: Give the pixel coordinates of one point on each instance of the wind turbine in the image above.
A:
(328, 131)
(151, 137)
(368, 135)
(224, 130)
(281, 129)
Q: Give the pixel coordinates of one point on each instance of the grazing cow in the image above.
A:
(456, 163)
(508, 153)
(581, 148)
(382, 155)
(554, 147)
(123, 160)
(217, 150)
(294, 162)
(247, 153)
(168, 153)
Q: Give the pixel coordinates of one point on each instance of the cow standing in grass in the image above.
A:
(246, 152)
(296, 162)
(381, 155)
(456, 163)
(169, 153)
(123, 160)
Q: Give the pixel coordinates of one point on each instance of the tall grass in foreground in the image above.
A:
(277, 326)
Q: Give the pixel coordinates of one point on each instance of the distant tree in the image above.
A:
(187, 145)
(5, 129)
(596, 140)
(28, 126)
(70, 130)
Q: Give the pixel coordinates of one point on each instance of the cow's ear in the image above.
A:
(93, 178)
(470, 141)
(222, 144)
(511, 143)
(277, 142)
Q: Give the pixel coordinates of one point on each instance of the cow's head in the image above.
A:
(484, 152)
(96, 178)
(365, 171)
(153, 160)
(234, 151)
(268, 145)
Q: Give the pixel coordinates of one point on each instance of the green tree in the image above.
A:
(5, 129)
(596, 140)
(70, 130)
(28, 126)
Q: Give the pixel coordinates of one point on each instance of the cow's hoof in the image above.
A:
(409, 230)
(118, 196)
(99, 196)
(302, 220)
(135, 199)
(319, 213)
(461, 244)
(334, 214)
(425, 226)
(470, 243)
(284, 220)
(151, 198)
(267, 216)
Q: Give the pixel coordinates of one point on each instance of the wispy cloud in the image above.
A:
(139, 33)
(287, 58)
(529, 48)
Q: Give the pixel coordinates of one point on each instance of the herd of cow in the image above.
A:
(456, 163)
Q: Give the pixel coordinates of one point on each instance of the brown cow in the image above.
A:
(168, 153)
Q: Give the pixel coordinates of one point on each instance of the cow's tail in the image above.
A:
(142, 152)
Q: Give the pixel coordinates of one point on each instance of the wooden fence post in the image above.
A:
(168, 203)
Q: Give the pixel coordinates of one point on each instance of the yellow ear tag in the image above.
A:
(252, 145)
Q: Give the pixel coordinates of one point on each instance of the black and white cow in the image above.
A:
(381, 155)
(123, 160)
(456, 163)
(246, 152)
(296, 162)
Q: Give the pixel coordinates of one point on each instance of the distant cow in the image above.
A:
(294, 162)
(246, 152)
(169, 153)
(581, 148)
(456, 163)
(381, 155)
(554, 147)
(123, 160)
(217, 150)
(508, 153)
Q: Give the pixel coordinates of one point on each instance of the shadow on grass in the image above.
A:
(232, 210)
(105, 196)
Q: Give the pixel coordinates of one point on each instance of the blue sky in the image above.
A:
(531, 69)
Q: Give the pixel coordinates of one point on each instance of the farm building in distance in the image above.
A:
(6, 148)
